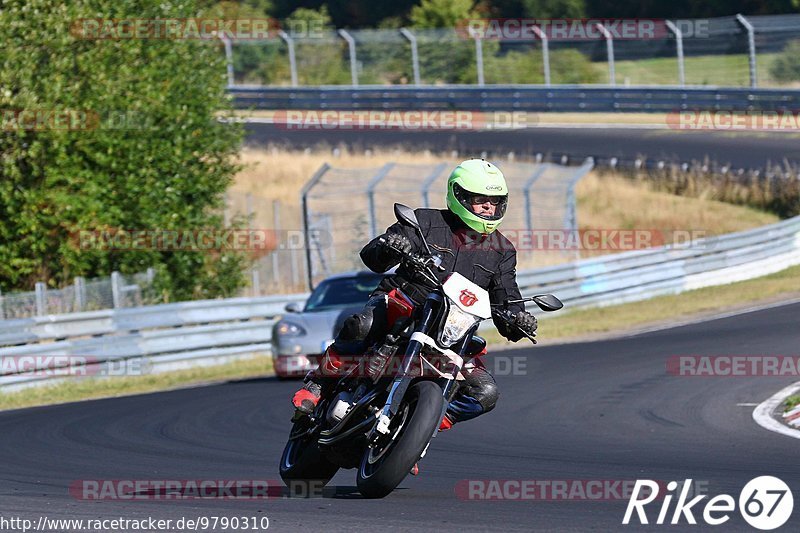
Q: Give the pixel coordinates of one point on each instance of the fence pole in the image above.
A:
(276, 226)
(612, 75)
(545, 53)
(292, 59)
(426, 185)
(228, 57)
(306, 222)
(80, 293)
(526, 190)
(116, 290)
(414, 53)
(41, 296)
(679, 45)
(351, 44)
(376, 179)
(255, 283)
(751, 45)
(479, 59)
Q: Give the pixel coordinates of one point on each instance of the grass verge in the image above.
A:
(791, 402)
(92, 388)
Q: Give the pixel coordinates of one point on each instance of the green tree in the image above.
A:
(442, 13)
(151, 153)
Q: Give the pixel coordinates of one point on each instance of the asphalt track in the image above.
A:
(598, 411)
(748, 150)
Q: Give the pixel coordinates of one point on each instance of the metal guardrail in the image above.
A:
(516, 98)
(205, 332)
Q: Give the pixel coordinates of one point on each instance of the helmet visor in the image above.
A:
(471, 201)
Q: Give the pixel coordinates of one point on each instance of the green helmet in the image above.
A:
(477, 177)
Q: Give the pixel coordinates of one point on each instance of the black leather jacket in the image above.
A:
(488, 261)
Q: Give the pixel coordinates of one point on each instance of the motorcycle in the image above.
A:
(381, 420)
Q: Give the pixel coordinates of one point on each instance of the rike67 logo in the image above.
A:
(765, 503)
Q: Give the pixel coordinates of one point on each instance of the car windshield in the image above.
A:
(342, 292)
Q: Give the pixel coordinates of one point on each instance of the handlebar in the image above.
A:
(424, 265)
(505, 315)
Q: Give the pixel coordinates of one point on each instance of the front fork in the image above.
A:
(403, 379)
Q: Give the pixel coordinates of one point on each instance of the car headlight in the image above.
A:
(456, 325)
(288, 329)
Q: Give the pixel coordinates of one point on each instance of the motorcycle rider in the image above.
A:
(465, 236)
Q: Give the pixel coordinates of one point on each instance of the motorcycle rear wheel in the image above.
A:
(382, 470)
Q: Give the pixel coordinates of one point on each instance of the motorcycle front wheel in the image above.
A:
(384, 468)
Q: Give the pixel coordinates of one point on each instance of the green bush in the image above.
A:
(786, 66)
(155, 158)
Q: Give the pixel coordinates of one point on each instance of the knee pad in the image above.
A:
(482, 387)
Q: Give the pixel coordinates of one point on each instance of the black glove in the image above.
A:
(395, 246)
(526, 322)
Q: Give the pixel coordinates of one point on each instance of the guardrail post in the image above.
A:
(373, 219)
(80, 293)
(306, 230)
(351, 44)
(479, 58)
(414, 54)
(116, 289)
(426, 185)
(292, 60)
(545, 53)
(41, 298)
(751, 45)
(679, 45)
(526, 190)
(228, 57)
(612, 75)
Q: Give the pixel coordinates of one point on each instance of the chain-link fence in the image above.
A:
(114, 292)
(726, 51)
(345, 208)
(281, 269)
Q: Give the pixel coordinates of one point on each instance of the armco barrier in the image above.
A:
(206, 332)
(516, 98)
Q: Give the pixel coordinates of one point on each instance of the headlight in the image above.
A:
(288, 329)
(457, 324)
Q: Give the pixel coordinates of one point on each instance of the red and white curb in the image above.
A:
(763, 413)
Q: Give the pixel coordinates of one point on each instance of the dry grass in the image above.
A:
(606, 202)
(280, 174)
(611, 201)
(78, 389)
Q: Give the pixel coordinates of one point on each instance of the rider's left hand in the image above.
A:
(526, 322)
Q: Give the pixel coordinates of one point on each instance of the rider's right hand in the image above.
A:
(397, 245)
